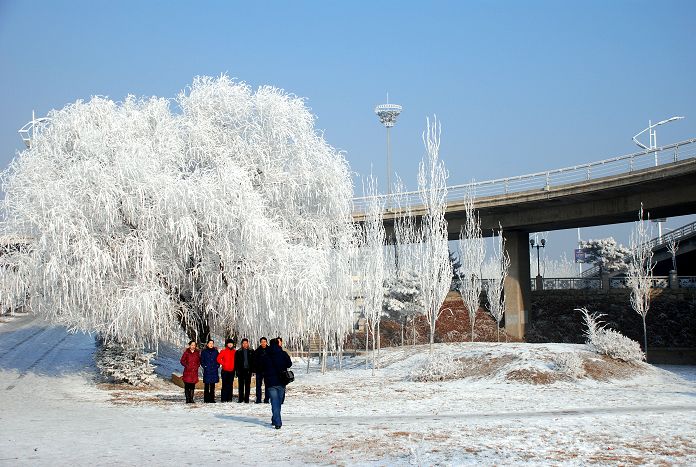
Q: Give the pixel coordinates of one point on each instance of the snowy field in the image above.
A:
(509, 408)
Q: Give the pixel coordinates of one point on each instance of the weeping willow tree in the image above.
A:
(221, 209)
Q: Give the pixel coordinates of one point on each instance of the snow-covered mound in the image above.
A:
(528, 363)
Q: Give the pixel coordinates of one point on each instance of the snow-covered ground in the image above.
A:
(54, 410)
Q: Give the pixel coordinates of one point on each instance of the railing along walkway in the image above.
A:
(551, 178)
(581, 283)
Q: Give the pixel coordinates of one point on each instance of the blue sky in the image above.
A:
(518, 86)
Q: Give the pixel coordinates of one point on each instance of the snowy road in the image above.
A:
(53, 411)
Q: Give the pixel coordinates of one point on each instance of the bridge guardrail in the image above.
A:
(551, 178)
(583, 283)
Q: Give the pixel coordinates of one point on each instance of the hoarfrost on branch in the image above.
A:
(640, 270)
(472, 253)
(230, 213)
(434, 267)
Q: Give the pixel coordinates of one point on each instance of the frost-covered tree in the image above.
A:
(640, 267)
(403, 299)
(673, 248)
(433, 266)
(472, 251)
(403, 292)
(606, 254)
(456, 265)
(13, 273)
(371, 263)
(229, 212)
(495, 284)
(561, 267)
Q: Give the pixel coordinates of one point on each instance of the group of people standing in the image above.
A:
(267, 362)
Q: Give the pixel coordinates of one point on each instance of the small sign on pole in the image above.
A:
(579, 255)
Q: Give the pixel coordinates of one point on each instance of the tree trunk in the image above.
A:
(198, 331)
(367, 345)
(413, 326)
(645, 339)
(432, 332)
(379, 341)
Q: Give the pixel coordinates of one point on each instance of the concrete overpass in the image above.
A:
(599, 193)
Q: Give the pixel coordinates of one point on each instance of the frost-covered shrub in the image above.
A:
(440, 366)
(122, 365)
(609, 342)
(618, 346)
(569, 364)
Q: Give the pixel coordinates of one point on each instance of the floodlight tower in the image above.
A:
(387, 114)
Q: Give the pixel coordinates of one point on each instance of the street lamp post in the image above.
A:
(541, 244)
(653, 135)
(28, 131)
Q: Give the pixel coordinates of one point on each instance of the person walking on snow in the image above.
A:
(226, 359)
(243, 363)
(274, 362)
(191, 360)
(260, 379)
(210, 371)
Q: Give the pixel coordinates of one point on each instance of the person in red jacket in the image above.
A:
(226, 360)
(191, 360)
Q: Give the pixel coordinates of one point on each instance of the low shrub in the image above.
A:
(609, 342)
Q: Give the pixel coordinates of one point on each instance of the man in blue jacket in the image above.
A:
(273, 363)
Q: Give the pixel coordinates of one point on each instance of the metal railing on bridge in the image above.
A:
(553, 178)
(580, 283)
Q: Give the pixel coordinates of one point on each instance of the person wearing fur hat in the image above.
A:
(226, 359)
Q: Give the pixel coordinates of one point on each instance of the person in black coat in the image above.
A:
(243, 365)
(272, 364)
(258, 356)
(210, 371)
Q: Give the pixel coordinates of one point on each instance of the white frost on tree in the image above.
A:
(498, 268)
(673, 248)
(230, 212)
(371, 263)
(403, 299)
(640, 267)
(433, 266)
(606, 254)
(403, 289)
(472, 253)
(14, 280)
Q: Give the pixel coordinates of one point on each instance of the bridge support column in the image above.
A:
(518, 283)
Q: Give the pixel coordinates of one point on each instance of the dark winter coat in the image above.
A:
(239, 359)
(272, 363)
(258, 359)
(210, 365)
(191, 361)
(226, 359)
